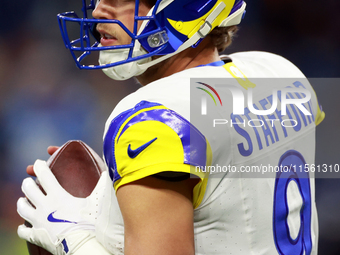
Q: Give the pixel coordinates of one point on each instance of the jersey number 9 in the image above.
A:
(290, 165)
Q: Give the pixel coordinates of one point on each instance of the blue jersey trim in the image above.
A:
(216, 63)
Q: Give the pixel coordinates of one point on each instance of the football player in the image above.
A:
(181, 183)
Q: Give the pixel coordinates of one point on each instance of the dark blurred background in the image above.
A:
(45, 100)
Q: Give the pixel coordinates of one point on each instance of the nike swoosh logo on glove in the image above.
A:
(51, 218)
(134, 153)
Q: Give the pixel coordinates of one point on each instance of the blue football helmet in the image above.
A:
(170, 27)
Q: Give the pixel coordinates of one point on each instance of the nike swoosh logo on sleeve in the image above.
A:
(134, 153)
(51, 218)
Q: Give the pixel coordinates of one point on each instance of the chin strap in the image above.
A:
(124, 71)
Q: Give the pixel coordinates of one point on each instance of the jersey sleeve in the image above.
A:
(150, 139)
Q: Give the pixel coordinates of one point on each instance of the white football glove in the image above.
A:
(61, 223)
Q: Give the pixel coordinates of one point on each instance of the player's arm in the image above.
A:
(146, 148)
(158, 216)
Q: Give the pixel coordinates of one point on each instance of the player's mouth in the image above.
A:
(107, 39)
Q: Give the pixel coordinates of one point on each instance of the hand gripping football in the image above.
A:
(77, 168)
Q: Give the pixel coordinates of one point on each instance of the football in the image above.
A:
(77, 168)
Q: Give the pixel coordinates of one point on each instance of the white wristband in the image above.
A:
(89, 247)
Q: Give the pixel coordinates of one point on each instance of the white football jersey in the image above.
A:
(256, 195)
